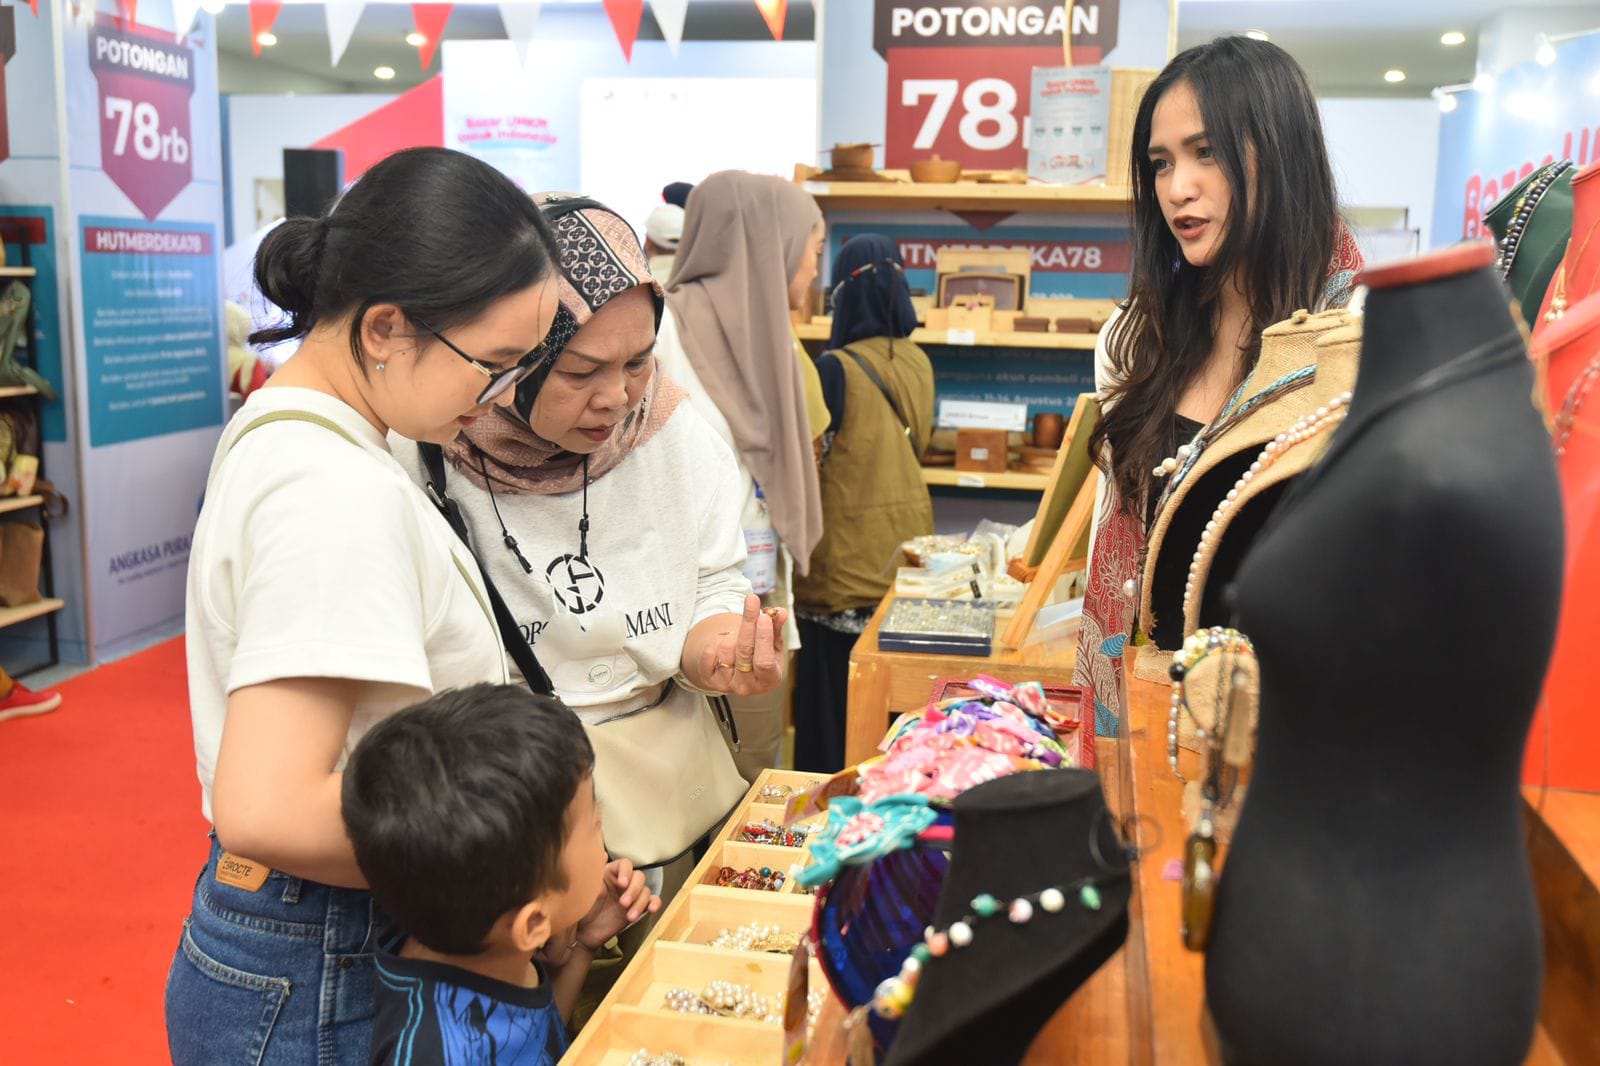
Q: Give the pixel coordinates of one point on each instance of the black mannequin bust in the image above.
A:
(1376, 905)
(1015, 836)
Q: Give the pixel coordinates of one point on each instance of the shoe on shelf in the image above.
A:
(24, 701)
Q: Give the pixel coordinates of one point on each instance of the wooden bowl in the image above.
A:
(936, 170)
(852, 156)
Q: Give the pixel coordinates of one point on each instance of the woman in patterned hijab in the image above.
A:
(606, 513)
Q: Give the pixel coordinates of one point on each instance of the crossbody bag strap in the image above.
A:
(333, 427)
(293, 416)
(433, 469)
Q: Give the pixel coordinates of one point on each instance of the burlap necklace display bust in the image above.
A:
(1320, 349)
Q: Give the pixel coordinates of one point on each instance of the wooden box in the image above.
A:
(678, 954)
(975, 313)
(981, 450)
(953, 262)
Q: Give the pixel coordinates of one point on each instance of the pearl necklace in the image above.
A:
(1323, 418)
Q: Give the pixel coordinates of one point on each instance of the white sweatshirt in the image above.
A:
(666, 551)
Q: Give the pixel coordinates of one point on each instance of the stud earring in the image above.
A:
(380, 366)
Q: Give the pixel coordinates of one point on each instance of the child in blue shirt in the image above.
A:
(473, 818)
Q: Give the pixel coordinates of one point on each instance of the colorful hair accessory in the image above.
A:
(1030, 697)
(992, 687)
(814, 799)
(859, 832)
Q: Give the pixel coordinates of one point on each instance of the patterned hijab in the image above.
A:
(600, 259)
(743, 239)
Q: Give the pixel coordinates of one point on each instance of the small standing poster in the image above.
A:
(1069, 125)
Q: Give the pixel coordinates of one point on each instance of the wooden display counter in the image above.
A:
(1144, 1007)
(885, 683)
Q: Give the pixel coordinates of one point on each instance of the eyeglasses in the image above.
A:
(499, 380)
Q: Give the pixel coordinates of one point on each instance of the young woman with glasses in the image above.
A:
(325, 591)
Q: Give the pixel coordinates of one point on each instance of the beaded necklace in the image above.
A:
(1527, 203)
(894, 994)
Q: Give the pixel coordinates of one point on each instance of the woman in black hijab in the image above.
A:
(879, 389)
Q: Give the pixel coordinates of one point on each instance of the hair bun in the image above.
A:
(287, 264)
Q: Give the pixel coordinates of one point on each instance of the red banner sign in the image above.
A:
(969, 104)
(146, 80)
(961, 73)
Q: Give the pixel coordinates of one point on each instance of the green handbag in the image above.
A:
(1532, 224)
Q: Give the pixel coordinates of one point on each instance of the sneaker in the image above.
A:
(24, 701)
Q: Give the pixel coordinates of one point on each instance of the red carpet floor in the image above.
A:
(100, 841)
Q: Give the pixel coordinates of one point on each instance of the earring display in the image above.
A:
(724, 999)
(753, 936)
(766, 879)
(766, 831)
(949, 627)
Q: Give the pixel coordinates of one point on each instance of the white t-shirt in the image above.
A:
(666, 552)
(316, 557)
(752, 510)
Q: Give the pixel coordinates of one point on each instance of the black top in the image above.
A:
(1183, 431)
(432, 1014)
(831, 371)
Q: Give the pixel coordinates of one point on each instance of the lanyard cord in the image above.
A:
(505, 534)
(583, 523)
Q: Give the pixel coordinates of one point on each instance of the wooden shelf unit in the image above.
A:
(10, 616)
(15, 231)
(967, 196)
(814, 331)
(1015, 480)
(19, 503)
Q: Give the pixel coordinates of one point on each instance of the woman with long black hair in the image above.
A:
(1235, 227)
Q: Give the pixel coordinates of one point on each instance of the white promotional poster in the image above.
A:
(145, 188)
(1071, 120)
(524, 118)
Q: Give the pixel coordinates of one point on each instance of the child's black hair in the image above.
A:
(457, 808)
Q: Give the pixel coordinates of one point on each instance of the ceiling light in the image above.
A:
(1394, 76)
(213, 7)
(383, 73)
(1447, 102)
(266, 39)
(1545, 54)
(1453, 38)
(416, 40)
(1483, 82)
(1257, 35)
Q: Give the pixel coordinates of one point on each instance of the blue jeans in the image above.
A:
(282, 975)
